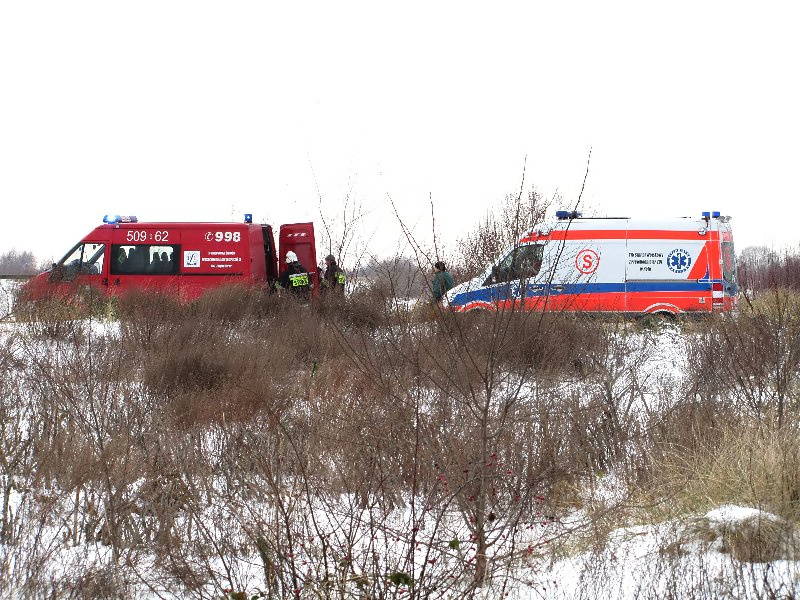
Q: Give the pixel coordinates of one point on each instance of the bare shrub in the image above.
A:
(761, 539)
(496, 436)
(553, 344)
(752, 358)
(396, 277)
(50, 318)
(365, 309)
(204, 373)
(144, 316)
(230, 303)
(499, 230)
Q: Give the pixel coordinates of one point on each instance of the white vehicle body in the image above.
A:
(618, 265)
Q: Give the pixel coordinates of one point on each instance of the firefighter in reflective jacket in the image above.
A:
(295, 277)
(334, 278)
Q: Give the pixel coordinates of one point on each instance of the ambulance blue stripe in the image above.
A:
(489, 294)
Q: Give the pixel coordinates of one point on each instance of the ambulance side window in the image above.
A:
(522, 262)
(143, 259)
(728, 262)
(84, 259)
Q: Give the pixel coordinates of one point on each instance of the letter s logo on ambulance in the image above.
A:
(679, 260)
(587, 261)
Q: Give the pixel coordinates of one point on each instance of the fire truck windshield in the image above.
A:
(86, 258)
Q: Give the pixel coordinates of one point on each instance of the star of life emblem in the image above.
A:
(679, 260)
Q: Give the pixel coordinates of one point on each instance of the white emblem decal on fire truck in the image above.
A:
(191, 258)
(679, 260)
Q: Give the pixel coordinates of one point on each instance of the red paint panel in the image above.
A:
(700, 265)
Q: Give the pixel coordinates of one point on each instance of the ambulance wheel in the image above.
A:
(658, 320)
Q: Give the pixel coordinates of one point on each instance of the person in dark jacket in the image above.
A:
(442, 281)
(295, 278)
(334, 278)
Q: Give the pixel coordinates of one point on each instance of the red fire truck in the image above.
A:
(182, 258)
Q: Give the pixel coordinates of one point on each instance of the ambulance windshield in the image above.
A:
(522, 262)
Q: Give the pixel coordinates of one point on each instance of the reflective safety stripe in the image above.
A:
(340, 278)
(299, 279)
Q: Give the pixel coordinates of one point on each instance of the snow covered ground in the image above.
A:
(724, 552)
(688, 557)
(7, 287)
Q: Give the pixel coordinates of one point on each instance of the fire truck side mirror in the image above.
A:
(56, 273)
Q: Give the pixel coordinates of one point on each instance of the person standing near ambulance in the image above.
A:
(441, 283)
(295, 277)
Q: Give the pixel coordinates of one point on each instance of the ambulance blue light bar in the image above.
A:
(112, 219)
(715, 214)
(248, 218)
(706, 215)
(567, 214)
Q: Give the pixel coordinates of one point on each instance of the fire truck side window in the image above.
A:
(83, 259)
(143, 259)
(521, 262)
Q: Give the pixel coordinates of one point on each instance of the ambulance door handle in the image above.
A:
(105, 280)
(116, 281)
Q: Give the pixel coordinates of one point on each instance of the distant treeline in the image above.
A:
(18, 263)
(761, 268)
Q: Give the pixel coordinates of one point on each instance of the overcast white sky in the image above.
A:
(207, 110)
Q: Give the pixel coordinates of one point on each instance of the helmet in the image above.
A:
(330, 258)
(291, 257)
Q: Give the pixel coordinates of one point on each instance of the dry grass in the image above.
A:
(746, 465)
(207, 431)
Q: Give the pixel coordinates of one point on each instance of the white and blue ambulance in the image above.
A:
(614, 265)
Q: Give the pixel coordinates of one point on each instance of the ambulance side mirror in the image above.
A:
(493, 276)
